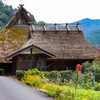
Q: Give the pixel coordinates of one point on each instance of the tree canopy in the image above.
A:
(6, 13)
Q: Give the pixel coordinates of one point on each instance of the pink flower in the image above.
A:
(78, 66)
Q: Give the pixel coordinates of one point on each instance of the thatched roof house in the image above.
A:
(52, 48)
(55, 47)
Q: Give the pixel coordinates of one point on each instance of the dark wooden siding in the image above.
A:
(64, 64)
(28, 61)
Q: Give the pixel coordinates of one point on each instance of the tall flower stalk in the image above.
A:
(78, 67)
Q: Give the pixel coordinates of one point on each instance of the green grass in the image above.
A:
(83, 94)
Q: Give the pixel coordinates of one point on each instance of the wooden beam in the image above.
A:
(32, 24)
(56, 27)
(21, 5)
(44, 27)
(67, 27)
(79, 29)
(55, 23)
(33, 28)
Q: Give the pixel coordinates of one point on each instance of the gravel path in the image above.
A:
(11, 89)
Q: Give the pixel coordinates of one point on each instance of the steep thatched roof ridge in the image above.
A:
(19, 8)
(17, 15)
(51, 29)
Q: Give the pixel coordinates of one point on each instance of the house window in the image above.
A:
(40, 64)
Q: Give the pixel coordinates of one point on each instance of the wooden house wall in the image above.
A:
(28, 61)
(64, 64)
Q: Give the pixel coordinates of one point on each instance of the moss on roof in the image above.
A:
(11, 39)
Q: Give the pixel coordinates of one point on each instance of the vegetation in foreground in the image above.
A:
(83, 84)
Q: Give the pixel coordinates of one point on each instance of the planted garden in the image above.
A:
(81, 84)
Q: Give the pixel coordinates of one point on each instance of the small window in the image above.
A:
(40, 64)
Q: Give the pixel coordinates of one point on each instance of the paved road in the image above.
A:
(11, 89)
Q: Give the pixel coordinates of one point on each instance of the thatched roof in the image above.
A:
(12, 36)
(20, 14)
(64, 45)
(61, 43)
(65, 42)
(12, 39)
(29, 47)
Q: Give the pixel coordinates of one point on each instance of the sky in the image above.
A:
(59, 11)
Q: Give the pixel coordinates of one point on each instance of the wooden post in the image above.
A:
(31, 59)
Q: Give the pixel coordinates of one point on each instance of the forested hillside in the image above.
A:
(94, 37)
(6, 13)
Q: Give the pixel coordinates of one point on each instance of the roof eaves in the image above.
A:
(27, 48)
(18, 52)
(43, 51)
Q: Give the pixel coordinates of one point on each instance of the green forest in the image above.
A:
(94, 37)
(6, 12)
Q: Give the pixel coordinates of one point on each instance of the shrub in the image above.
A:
(97, 74)
(2, 72)
(86, 66)
(58, 92)
(97, 86)
(33, 80)
(87, 81)
(54, 90)
(59, 76)
(66, 75)
(20, 74)
(35, 71)
(53, 76)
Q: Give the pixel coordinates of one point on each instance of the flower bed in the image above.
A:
(52, 85)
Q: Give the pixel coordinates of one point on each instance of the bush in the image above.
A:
(20, 74)
(2, 72)
(53, 76)
(33, 80)
(97, 86)
(66, 75)
(35, 71)
(86, 81)
(58, 76)
(86, 67)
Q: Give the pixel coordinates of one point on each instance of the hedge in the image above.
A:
(2, 72)
(20, 73)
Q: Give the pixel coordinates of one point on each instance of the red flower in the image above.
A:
(78, 66)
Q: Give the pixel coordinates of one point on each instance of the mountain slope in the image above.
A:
(94, 37)
(89, 25)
